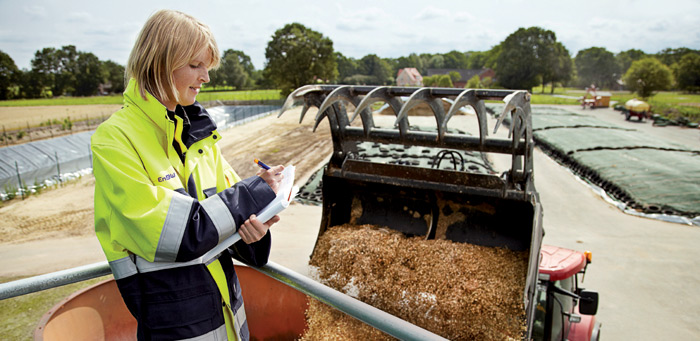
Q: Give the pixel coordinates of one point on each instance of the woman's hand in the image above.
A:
(253, 230)
(272, 176)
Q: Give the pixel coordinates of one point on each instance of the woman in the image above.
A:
(164, 195)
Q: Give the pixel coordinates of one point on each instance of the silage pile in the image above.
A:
(457, 290)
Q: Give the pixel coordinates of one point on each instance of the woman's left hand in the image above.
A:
(253, 230)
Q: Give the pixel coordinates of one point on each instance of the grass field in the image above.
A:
(20, 315)
(204, 96)
(670, 104)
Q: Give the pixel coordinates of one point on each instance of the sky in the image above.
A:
(389, 29)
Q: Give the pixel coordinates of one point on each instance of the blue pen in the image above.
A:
(261, 164)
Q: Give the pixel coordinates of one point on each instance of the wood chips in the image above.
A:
(457, 290)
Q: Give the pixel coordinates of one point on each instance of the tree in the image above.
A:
(473, 83)
(560, 67)
(89, 74)
(347, 67)
(56, 68)
(648, 75)
(371, 65)
(487, 82)
(455, 60)
(114, 76)
(444, 81)
(297, 55)
(436, 62)
(233, 71)
(596, 65)
(45, 66)
(625, 58)
(31, 85)
(525, 57)
(476, 59)
(66, 77)
(687, 72)
(8, 75)
(413, 60)
(671, 56)
(430, 81)
(455, 76)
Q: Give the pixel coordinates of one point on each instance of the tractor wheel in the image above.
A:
(627, 116)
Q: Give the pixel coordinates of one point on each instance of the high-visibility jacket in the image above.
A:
(157, 215)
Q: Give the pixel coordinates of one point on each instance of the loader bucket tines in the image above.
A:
(430, 182)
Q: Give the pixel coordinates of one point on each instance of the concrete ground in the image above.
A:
(645, 270)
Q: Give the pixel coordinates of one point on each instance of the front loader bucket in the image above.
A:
(433, 182)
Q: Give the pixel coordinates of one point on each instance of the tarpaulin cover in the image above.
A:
(647, 174)
(650, 174)
(570, 140)
(667, 180)
(36, 161)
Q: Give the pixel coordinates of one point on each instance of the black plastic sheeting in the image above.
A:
(399, 154)
(642, 174)
(41, 163)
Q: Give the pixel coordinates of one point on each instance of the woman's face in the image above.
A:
(189, 79)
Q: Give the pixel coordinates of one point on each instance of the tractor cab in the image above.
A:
(565, 310)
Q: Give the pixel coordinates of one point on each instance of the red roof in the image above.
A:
(560, 263)
(412, 73)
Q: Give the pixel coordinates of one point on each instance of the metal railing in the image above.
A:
(364, 312)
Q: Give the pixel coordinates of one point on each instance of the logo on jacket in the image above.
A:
(166, 178)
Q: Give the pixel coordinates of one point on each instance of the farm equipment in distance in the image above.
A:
(636, 108)
(595, 98)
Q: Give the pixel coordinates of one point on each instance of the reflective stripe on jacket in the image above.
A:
(156, 216)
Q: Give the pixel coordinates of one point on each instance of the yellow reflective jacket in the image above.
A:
(159, 210)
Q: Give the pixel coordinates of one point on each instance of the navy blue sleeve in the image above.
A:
(245, 198)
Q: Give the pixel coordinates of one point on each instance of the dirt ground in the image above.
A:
(27, 124)
(68, 210)
(19, 117)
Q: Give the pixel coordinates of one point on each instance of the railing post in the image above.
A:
(58, 167)
(19, 180)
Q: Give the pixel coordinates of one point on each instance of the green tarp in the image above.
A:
(647, 174)
(659, 180)
(570, 140)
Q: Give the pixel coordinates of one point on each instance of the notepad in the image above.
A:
(285, 194)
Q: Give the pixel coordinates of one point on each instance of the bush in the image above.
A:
(474, 83)
(67, 124)
(648, 75)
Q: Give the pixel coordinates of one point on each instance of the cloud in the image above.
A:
(35, 11)
(79, 16)
(362, 20)
(430, 13)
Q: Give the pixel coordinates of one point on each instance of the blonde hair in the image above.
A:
(168, 41)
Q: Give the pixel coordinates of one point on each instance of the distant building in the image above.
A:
(465, 74)
(409, 77)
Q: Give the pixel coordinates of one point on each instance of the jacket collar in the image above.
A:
(201, 123)
(150, 106)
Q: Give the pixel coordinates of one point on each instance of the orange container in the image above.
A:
(275, 311)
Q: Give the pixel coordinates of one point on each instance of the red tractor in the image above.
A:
(565, 311)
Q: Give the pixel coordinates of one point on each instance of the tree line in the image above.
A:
(297, 55)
